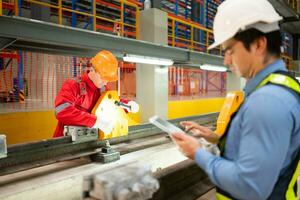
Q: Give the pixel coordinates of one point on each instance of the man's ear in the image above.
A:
(260, 45)
(91, 69)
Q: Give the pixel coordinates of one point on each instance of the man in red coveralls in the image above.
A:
(76, 99)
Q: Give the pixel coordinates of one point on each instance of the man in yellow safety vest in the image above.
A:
(260, 156)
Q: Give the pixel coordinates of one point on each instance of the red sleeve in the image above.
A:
(125, 101)
(65, 106)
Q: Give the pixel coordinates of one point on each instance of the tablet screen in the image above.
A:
(164, 125)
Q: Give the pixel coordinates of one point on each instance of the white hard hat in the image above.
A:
(239, 15)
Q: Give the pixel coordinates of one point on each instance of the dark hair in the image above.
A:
(249, 36)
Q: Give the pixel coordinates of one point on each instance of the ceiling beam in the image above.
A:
(33, 35)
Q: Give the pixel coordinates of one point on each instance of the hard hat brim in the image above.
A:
(110, 79)
(214, 45)
(263, 27)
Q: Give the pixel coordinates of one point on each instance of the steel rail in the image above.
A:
(34, 154)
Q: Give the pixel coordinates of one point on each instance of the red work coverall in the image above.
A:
(74, 103)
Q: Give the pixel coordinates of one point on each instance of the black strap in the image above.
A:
(282, 184)
(222, 140)
(226, 194)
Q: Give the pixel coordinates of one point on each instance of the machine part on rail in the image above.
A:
(129, 182)
(107, 154)
(81, 134)
(3, 147)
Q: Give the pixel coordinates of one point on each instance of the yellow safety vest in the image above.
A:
(286, 81)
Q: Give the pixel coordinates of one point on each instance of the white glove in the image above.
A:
(134, 107)
(106, 115)
(104, 124)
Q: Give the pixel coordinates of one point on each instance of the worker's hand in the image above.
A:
(200, 131)
(104, 124)
(188, 145)
(129, 106)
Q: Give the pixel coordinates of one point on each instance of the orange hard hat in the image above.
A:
(106, 64)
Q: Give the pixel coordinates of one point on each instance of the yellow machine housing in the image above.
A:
(121, 118)
(231, 104)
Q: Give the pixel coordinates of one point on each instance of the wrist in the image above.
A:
(96, 121)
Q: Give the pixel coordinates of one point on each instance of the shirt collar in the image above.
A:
(88, 81)
(251, 84)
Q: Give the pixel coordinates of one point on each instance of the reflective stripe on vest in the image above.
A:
(280, 79)
(288, 82)
(221, 197)
(61, 107)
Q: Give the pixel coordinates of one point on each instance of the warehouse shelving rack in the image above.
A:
(96, 15)
(294, 5)
(185, 28)
(116, 17)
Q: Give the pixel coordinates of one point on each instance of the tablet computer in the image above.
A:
(164, 125)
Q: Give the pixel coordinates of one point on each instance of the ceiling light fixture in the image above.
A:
(147, 60)
(213, 68)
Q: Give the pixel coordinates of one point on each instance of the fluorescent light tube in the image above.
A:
(147, 60)
(213, 68)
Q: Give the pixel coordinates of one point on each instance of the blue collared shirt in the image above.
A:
(262, 140)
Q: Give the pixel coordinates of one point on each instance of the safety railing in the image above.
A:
(288, 61)
(294, 4)
(190, 35)
(6, 4)
(117, 26)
